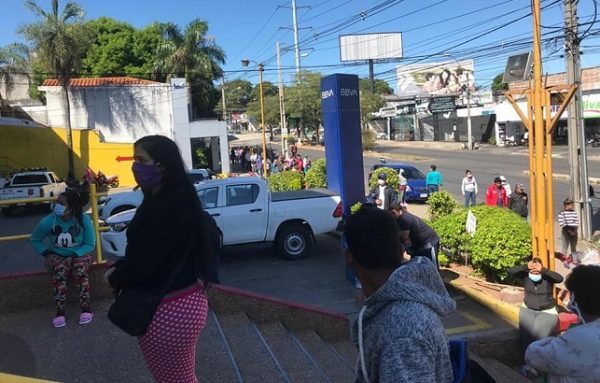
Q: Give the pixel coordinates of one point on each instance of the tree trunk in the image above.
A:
(71, 173)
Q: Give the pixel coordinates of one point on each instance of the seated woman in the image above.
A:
(575, 355)
(538, 317)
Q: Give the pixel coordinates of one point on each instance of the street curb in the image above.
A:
(567, 177)
(506, 311)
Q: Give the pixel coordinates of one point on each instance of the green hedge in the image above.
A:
(316, 176)
(502, 239)
(286, 181)
(441, 203)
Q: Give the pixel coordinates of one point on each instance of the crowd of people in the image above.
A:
(250, 159)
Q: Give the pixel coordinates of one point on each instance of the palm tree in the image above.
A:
(14, 61)
(60, 41)
(191, 54)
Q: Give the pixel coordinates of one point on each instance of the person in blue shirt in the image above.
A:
(433, 180)
(66, 239)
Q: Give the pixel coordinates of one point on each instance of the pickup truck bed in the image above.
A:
(301, 194)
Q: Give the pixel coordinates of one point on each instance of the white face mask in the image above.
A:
(381, 182)
(574, 308)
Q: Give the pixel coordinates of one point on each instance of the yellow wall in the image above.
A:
(46, 147)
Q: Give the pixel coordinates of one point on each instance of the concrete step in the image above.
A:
(328, 359)
(347, 350)
(251, 355)
(214, 360)
(499, 371)
(298, 364)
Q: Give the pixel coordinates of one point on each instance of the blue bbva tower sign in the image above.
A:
(343, 151)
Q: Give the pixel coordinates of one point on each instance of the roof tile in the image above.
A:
(101, 81)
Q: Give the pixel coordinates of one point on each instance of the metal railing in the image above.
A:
(94, 195)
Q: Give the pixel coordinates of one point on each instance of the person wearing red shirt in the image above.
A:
(496, 194)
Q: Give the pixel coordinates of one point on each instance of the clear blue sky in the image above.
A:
(246, 28)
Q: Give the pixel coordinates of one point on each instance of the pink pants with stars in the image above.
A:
(169, 345)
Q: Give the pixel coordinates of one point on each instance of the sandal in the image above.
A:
(85, 317)
(59, 321)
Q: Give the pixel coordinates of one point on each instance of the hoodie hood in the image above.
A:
(415, 281)
(414, 290)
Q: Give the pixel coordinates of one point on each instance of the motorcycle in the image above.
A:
(594, 142)
(100, 179)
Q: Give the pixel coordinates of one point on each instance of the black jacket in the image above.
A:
(518, 204)
(389, 194)
(164, 227)
(538, 295)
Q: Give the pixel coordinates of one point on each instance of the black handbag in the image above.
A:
(135, 307)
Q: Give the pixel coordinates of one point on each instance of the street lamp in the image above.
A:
(261, 68)
(468, 90)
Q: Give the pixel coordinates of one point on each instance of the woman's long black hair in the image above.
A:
(176, 183)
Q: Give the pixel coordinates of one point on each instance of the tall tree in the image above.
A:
(303, 102)
(14, 62)
(120, 49)
(60, 41)
(371, 102)
(190, 53)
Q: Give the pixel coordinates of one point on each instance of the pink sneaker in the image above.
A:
(59, 321)
(85, 318)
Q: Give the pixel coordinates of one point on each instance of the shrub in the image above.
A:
(291, 139)
(356, 207)
(392, 177)
(441, 203)
(316, 177)
(502, 239)
(285, 181)
(443, 260)
(368, 139)
(492, 141)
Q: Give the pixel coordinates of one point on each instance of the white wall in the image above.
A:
(120, 113)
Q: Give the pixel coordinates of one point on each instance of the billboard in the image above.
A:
(447, 78)
(371, 46)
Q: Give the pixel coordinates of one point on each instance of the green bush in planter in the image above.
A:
(502, 239)
(285, 181)
(441, 203)
(316, 176)
(392, 177)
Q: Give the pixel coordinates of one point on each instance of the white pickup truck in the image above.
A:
(115, 203)
(31, 184)
(247, 212)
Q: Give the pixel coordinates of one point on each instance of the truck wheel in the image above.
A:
(7, 211)
(294, 242)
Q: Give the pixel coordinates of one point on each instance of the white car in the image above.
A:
(247, 212)
(116, 203)
(34, 183)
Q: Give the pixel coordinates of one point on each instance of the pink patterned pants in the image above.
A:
(169, 345)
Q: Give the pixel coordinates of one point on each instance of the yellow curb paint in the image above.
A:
(479, 324)
(508, 312)
(7, 378)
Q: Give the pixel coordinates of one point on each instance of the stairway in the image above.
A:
(233, 348)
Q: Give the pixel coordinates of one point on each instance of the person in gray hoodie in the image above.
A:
(398, 332)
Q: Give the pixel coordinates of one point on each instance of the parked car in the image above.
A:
(416, 190)
(247, 212)
(34, 183)
(119, 202)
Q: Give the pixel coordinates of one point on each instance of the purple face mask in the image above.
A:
(147, 176)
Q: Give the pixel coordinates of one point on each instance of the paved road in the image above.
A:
(485, 164)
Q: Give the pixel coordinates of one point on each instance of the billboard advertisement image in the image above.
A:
(447, 78)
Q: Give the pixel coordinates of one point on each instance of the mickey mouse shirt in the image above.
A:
(66, 238)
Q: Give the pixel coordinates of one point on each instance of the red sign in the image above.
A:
(119, 158)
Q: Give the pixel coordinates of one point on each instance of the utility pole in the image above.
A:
(282, 118)
(576, 125)
(223, 98)
(296, 47)
(371, 76)
(539, 122)
(469, 125)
